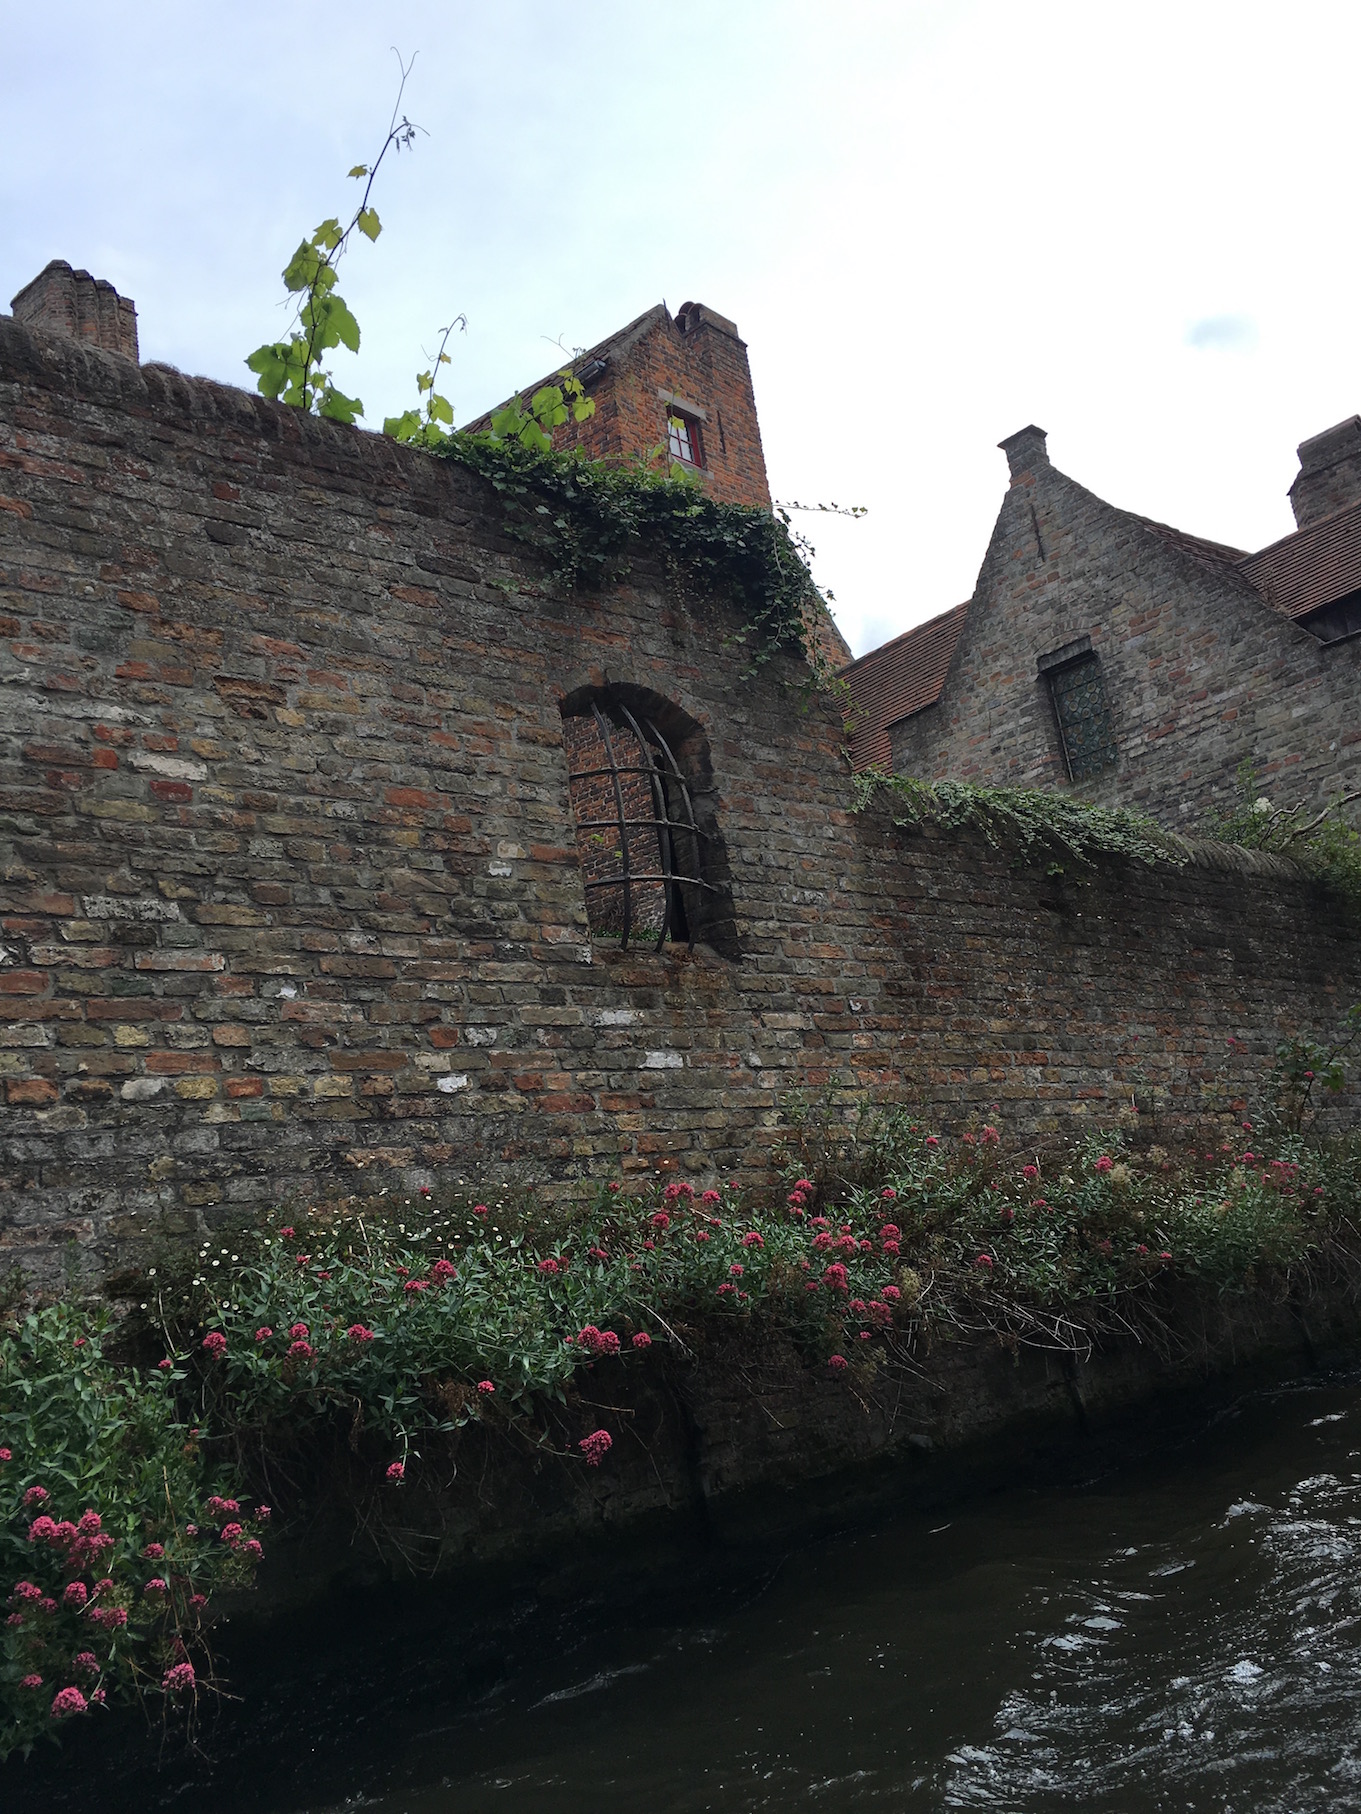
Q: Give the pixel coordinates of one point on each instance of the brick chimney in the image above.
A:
(1329, 477)
(79, 307)
(1025, 450)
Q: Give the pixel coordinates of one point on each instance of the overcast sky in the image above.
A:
(934, 221)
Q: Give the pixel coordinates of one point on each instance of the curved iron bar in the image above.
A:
(604, 729)
(662, 809)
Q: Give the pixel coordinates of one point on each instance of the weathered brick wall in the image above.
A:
(289, 896)
(1199, 673)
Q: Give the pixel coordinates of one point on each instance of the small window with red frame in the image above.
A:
(683, 439)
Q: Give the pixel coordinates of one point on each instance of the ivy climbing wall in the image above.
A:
(290, 898)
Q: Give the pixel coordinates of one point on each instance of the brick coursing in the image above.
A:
(289, 893)
(1200, 673)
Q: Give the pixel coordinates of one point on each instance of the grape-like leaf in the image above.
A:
(368, 223)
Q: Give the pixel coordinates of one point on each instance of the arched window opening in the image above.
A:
(652, 861)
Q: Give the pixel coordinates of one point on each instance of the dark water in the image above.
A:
(1181, 1634)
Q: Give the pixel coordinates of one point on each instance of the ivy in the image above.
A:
(589, 519)
(1038, 822)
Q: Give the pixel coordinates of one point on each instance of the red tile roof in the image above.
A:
(1315, 566)
(895, 679)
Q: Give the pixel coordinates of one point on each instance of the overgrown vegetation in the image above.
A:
(1035, 821)
(129, 1458)
(1320, 839)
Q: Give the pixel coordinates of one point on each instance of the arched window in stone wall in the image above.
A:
(652, 860)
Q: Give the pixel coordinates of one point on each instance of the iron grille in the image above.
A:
(672, 819)
(1083, 717)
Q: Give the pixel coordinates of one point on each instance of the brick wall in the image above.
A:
(1199, 673)
(289, 891)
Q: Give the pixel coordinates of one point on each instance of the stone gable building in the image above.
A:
(1133, 663)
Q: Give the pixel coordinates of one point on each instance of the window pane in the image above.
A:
(678, 439)
(1084, 718)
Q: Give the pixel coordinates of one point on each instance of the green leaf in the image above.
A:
(368, 223)
(337, 407)
(424, 380)
(328, 235)
(360, 170)
(301, 269)
(441, 410)
(405, 427)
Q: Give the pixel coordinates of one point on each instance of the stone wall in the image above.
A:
(289, 894)
(1200, 674)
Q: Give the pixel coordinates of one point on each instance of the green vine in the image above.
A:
(589, 519)
(1036, 821)
(1318, 838)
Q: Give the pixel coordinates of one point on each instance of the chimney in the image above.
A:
(1025, 450)
(1329, 477)
(79, 307)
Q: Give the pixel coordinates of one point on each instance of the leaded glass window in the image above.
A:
(1083, 716)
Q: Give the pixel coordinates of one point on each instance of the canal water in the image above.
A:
(1182, 1632)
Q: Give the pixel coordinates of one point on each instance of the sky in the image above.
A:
(934, 221)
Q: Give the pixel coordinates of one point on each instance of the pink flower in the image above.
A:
(661, 1221)
(86, 1661)
(821, 1242)
(1164, 1256)
(81, 1341)
(222, 1508)
(300, 1351)
(286, 1233)
(179, 1678)
(984, 1261)
(752, 1240)
(892, 1247)
(614, 1187)
(302, 1259)
(215, 1344)
(990, 1136)
(300, 1332)
(835, 1275)
(811, 1285)
(838, 1363)
(1030, 1171)
(932, 1140)
(596, 1447)
(415, 1285)
(198, 1601)
(396, 1471)
(892, 1293)
(31, 1681)
(42, 1530)
(108, 1616)
(711, 1196)
(642, 1339)
(74, 1595)
(90, 1522)
(36, 1495)
(485, 1387)
(359, 1335)
(548, 1267)
(26, 1590)
(888, 1194)
(724, 1290)
(425, 1190)
(262, 1514)
(252, 1547)
(818, 1222)
(890, 1232)
(480, 1209)
(735, 1271)
(702, 1234)
(5, 1455)
(1104, 1164)
(1007, 1213)
(864, 1335)
(232, 1534)
(164, 1366)
(442, 1270)
(155, 1586)
(98, 1698)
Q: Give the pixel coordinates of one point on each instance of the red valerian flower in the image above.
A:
(86, 1661)
(1104, 1164)
(735, 1271)
(642, 1339)
(155, 1586)
(300, 1332)
(838, 1363)
(154, 1551)
(856, 1306)
(811, 1285)
(302, 1259)
(932, 1140)
(5, 1455)
(263, 1334)
(425, 1190)
(661, 1220)
(711, 1196)
(253, 1548)
(67, 1701)
(835, 1275)
(36, 1495)
(990, 1136)
(215, 1344)
(413, 1286)
(396, 1471)
(614, 1187)
(359, 1335)
(1164, 1256)
(75, 1594)
(888, 1194)
(702, 1234)
(865, 1335)
(442, 1270)
(596, 1447)
(42, 1530)
(286, 1233)
(164, 1366)
(300, 1351)
(221, 1508)
(548, 1267)
(1030, 1171)
(892, 1293)
(822, 1242)
(262, 1514)
(1008, 1214)
(81, 1341)
(480, 1209)
(723, 1290)
(984, 1261)
(486, 1387)
(198, 1601)
(818, 1222)
(232, 1535)
(108, 1616)
(752, 1240)
(892, 1247)
(179, 1678)
(890, 1232)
